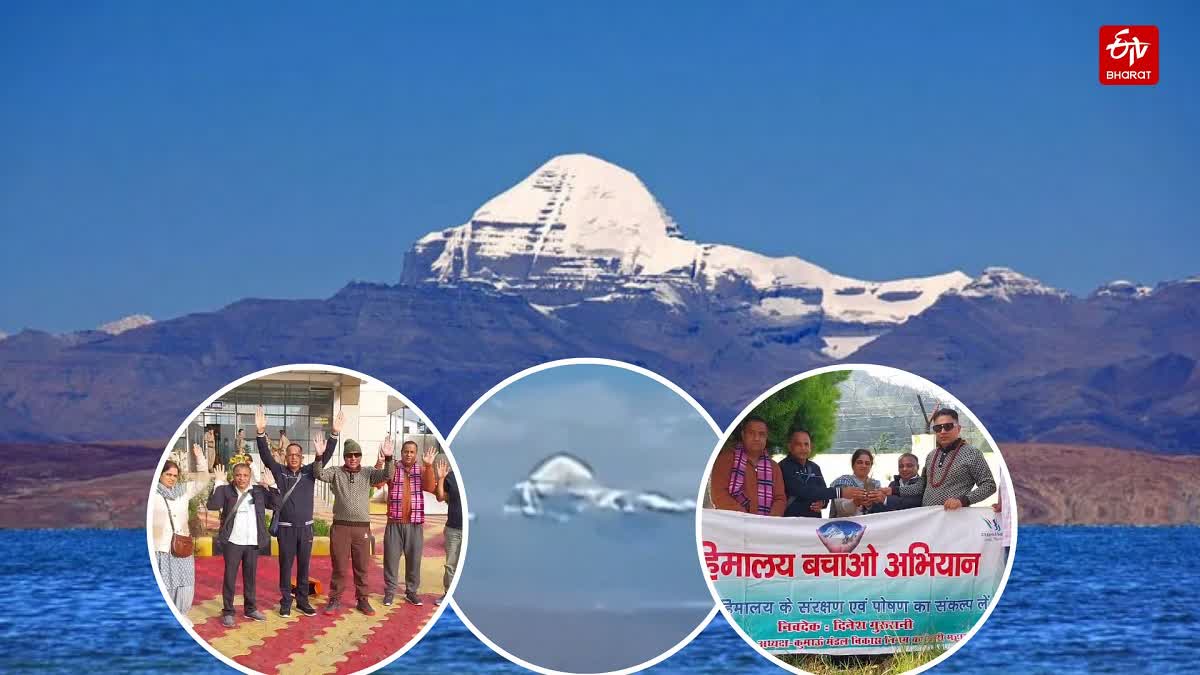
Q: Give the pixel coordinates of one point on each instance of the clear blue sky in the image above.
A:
(168, 160)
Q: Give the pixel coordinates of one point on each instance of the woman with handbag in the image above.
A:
(169, 530)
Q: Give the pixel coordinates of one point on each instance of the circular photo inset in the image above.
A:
(582, 476)
(306, 519)
(857, 519)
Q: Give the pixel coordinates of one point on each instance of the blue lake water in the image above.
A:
(1095, 599)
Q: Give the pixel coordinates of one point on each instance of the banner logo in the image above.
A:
(994, 530)
(1129, 54)
(840, 536)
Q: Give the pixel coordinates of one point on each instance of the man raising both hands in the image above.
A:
(405, 534)
(294, 516)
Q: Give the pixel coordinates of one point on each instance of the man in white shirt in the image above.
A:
(243, 535)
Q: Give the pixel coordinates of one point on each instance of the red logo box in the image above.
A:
(1129, 54)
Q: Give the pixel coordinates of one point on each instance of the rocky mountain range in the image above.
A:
(579, 259)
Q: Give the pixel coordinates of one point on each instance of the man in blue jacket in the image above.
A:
(803, 481)
(295, 514)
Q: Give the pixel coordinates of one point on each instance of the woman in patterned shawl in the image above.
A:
(169, 515)
(861, 462)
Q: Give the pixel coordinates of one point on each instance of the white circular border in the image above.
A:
(1011, 496)
(583, 362)
(298, 368)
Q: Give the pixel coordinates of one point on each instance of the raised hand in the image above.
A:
(260, 419)
(198, 451)
(428, 455)
(338, 422)
(387, 448)
(441, 470)
(318, 441)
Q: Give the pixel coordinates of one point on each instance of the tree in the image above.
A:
(885, 443)
(811, 404)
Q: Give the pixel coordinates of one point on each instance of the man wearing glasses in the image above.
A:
(350, 536)
(295, 514)
(955, 475)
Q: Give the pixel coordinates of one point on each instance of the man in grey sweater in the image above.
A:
(956, 474)
(350, 536)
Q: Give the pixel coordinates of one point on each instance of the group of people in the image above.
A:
(243, 534)
(746, 479)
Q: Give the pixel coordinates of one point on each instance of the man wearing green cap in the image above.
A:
(350, 536)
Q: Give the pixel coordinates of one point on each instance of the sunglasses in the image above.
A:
(939, 428)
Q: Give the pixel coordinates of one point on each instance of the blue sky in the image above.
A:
(634, 432)
(168, 160)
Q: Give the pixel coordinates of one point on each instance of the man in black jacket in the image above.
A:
(242, 537)
(295, 515)
(803, 481)
(908, 476)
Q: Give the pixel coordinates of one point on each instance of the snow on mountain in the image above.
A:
(126, 323)
(1122, 289)
(1004, 283)
(579, 229)
(841, 347)
(562, 486)
(563, 470)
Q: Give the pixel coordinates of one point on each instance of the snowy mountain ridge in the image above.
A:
(582, 230)
(563, 486)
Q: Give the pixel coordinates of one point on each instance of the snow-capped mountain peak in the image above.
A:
(582, 230)
(125, 323)
(1004, 283)
(1122, 289)
(563, 470)
(572, 207)
(563, 486)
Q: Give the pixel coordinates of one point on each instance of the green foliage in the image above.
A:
(320, 527)
(195, 525)
(811, 403)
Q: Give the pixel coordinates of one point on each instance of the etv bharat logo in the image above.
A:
(1129, 55)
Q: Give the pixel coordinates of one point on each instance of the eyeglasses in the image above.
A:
(939, 428)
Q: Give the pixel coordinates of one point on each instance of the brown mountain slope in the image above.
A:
(1088, 485)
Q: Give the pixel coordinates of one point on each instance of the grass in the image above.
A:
(882, 664)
